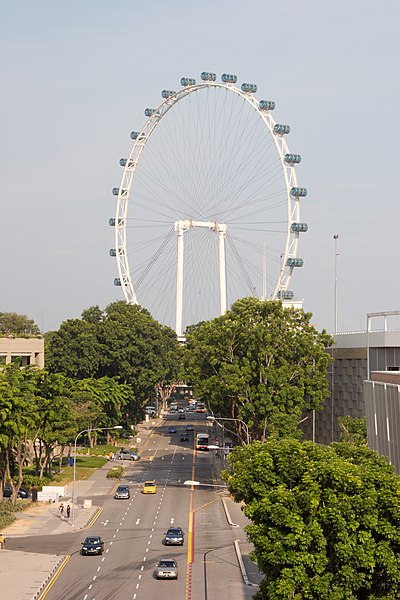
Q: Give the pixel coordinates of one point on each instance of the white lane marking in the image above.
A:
(137, 521)
(142, 567)
(147, 548)
(117, 530)
(84, 598)
(172, 520)
(134, 596)
(98, 569)
(90, 586)
(137, 586)
(140, 577)
(94, 578)
(103, 559)
(148, 542)
(111, 542)
(151, 535)
(144, 558)
(107, 550)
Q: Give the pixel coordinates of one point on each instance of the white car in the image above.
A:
(167, 568)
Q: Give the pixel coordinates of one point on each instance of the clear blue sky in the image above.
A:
(76, 77)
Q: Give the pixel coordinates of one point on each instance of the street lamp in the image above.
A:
(197, 483)
(73, 482)
(232, 419)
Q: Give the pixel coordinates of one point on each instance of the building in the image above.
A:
(29, 350)
(364, 382)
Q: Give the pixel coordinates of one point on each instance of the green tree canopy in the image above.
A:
(17, 325)
(325, 519)
(123, 342)
(261, 363)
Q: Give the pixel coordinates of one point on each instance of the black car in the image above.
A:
(184, 437)
(93, 544)
(22, 492)
(174, 537)
(182, 416)
(172, 430)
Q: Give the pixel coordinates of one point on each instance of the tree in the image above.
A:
(353, 430)
(260, 363)
(325, 519)
(74, 349)
(17, 325)
(123, 343)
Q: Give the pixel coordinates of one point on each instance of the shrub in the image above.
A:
(115, 473)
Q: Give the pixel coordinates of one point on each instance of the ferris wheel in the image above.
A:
(208, 208)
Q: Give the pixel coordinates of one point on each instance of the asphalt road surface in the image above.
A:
(133, 532)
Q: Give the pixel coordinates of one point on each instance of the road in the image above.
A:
(133, 531)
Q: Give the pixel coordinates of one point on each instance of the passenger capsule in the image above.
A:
(294, 262)
(113, 252)
(115, 191)
(149, 112)
(185, 81)
(112, 222)
(280, 129)
(127, 162)
(208, 76)
(298, 192)
(135, 135)
(227, 78)
(299, 227)
(167, 93)
(292, 159)
(117, 281)
(250, 88)
(266, 105)
(286, 295)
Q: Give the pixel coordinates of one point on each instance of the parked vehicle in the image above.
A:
(22, 492)
(127, 455)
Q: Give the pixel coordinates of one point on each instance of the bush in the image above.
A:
(115, 473)
(8, 510)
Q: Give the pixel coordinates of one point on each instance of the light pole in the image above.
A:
(336, 237)
(73, 481)
(232, 419)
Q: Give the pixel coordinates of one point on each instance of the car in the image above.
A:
(189, 428)
(167, 568)
(122, 492)
(172, 430)
(93, 544)
(184, 437)
(149, 487)
(174, 537)
(182, 416)
(180, 410)
(127, 455)
(22, 492)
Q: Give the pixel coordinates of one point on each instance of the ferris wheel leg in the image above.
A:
(179, 284)
(222, 269)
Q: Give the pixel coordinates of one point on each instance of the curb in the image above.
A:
(45, 583)
(228, 516)
(241, 565)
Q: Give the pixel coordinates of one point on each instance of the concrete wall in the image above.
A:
(382, 407)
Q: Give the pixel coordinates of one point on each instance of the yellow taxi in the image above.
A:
(149, 487)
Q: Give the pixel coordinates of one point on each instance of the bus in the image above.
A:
(202, 441)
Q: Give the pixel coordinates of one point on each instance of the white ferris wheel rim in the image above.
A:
(133, 160)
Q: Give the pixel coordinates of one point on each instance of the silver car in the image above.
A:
(127, 455)
(174, 537)
(167, 568)
(122, 493)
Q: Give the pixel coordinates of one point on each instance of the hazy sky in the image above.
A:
(77, 76)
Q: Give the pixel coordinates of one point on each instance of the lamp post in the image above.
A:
(336, 237)
(73, 481)
(232, 419)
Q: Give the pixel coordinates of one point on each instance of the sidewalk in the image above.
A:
(238, 521)
(25, 574)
